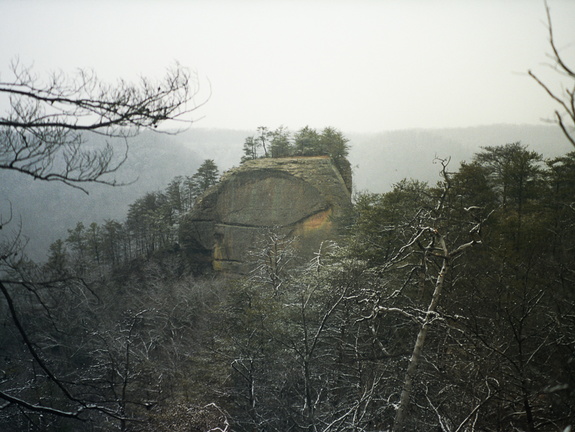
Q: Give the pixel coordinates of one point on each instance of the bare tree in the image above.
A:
(45, 132)
(64, 129)
(272, 256)
(436, 252)
(565, 116)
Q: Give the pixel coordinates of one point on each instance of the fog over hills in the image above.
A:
(46, 210)
(382, 159)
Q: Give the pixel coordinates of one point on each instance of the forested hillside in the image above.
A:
(143, 290)
(378, 161)
(442, 306)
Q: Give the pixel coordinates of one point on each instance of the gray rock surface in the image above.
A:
(298, 196)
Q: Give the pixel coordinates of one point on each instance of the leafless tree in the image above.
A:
(45, 132)
(65, 129)
(565, 116)
(272, 256)
(429, 240)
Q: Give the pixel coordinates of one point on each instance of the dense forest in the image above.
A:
(440, 307)
(378, 161)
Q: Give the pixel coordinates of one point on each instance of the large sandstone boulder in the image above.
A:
(298, 196)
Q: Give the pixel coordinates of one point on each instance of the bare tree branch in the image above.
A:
(567, 99)
(40, 408)
(46, 132)
(66, 129)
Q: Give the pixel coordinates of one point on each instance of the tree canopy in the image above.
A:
(305, 142)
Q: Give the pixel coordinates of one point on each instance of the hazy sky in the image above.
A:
(356, 65)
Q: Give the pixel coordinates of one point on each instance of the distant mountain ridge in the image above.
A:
(382, 159)
(47, 210)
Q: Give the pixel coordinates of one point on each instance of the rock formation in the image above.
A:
(298, 196)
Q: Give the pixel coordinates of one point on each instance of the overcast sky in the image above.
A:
(357, 65)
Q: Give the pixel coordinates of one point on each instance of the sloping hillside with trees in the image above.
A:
(445, 305)
(441, 306)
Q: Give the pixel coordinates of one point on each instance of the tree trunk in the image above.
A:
(401, 413)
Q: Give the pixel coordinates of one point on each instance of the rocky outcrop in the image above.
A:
(299, 196)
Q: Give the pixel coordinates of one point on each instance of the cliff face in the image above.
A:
(298, 196)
